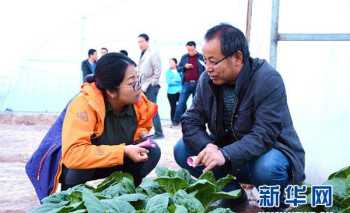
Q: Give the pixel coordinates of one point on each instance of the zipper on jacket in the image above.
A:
(42, 161)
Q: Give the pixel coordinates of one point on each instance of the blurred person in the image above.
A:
(191, 66)
(149, 68)
(88, 66)
(173, 80)
(103, 51)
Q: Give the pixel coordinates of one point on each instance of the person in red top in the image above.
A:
(190, 67)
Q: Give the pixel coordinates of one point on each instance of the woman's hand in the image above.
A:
(136, 153)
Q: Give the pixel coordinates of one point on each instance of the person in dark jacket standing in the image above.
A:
(88, 66)
(243, 103)
(191, 66)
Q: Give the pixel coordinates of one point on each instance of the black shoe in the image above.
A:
(155, 137)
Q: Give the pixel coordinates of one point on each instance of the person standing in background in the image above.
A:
(88, 66)
(150, 69)
(103, 51)
(173, 79)
(191, 66)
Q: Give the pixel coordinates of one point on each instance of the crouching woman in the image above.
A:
(95, 135)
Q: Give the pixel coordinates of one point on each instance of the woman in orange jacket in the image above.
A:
(102, 124)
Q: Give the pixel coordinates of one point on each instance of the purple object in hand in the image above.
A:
(147, 144)
(190, 161)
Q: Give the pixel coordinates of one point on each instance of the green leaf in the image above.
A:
(132, 197)
(204, 190)
(302, 208)
(347, 182)
(118, 206)
(124, 186)
(209, 176)
(91, 202)
(226, 195)
(347, 210)
(192, 204)
(174, 208)
(201, 185)
(49, 207)
(184, 174)
(79, 211)
(221, 210)
(114, 178)
(150, 187)
(73, 207)
(222, 182)
(171, 184)
(343, 173)
(345, 202)
(165, 172)
(55, 198)
(180, 209)
(339, 188)
(128, 185)
(75, 196)
(158, 204)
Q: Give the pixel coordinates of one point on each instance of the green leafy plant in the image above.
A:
(340, 181)
(170, 192)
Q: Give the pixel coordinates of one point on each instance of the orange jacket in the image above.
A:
(85, 117)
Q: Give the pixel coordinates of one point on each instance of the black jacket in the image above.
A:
(86, 68)
(261, 121)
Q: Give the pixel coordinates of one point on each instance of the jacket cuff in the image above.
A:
(118, 155)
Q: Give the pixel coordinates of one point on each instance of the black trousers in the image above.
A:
(173, 99)
(73, 177)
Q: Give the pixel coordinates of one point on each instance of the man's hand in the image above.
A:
(210, 157)
(135, 153)
(188, 66)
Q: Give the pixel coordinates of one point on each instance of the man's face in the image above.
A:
(221, 70)
(103, 52)
(143, 44)
(191, 50)
(94, 56)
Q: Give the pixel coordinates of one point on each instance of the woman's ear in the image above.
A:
(112, 93)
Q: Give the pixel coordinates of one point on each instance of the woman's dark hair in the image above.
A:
(110, 70)
(174, 59)
(231, 39)
(124, 52)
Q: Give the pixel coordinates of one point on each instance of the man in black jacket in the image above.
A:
(243, 103)
(88, 65)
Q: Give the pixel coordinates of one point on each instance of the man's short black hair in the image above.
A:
(91, 52)
(104, 48)
(144, 35)
(231, 39)
(191, 43)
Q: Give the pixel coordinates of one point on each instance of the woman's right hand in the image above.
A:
(136, 153)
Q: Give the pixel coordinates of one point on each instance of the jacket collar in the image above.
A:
(243, 78)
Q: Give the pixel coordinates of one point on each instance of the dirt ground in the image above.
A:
(20, 134)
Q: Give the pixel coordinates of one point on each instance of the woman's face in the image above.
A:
(172, 64)
(129, 90)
